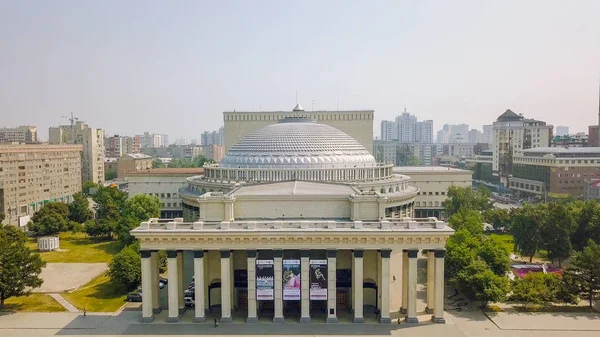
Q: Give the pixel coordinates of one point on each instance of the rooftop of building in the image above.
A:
(298, 111)
(563, 150)
(137, 156)
(191, 171)
(427, 169)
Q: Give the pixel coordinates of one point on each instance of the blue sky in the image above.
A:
(174, 66)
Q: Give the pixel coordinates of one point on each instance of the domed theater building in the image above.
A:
(297, 223)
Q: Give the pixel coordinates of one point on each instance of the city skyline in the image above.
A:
(192, 61)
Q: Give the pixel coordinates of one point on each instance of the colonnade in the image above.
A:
(435, 285)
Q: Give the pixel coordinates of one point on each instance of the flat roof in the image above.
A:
(297, 112)
(551, 150)
(169, 171)
(427, 169)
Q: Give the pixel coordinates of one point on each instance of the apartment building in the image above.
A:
(34, 174)
(133, 162)
(21, 134)
(92, 140)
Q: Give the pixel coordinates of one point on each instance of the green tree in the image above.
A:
(556, 232)
(2, 216)
(110, 174)
(59, 208)
(49, 223)
(526, 227)
(110, 202)
(536, 288)
(494, 255)
(19, 267)
(138, 208)
(157, 163)
(478, 282)
(461, 251)
(465, 197)
(584, 271)
(497, 217)
(87, 187)
(587, 219)
(467, 219)
(125, 268)
(98, 228)
(79, 209)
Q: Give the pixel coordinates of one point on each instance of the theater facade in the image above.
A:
(298, 222)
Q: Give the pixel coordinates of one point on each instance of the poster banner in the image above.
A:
(291, 280)
(264, 280)
(318, 280)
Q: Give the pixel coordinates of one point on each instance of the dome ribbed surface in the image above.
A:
(298, 144)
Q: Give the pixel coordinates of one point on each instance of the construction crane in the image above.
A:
(72, 120)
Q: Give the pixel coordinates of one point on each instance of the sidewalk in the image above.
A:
(66, 304)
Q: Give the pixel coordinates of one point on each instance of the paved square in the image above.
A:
(61, 277)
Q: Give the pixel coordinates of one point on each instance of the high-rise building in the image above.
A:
(405, 128)
(488, 135)
(92, 139)
(475, 136)
(562, 130)
(32, 175)
(22, 134)
(512, 134)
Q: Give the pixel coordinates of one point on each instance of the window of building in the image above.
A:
(168, 195)
(162, 195)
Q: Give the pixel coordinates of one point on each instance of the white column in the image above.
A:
(305, 285)
(199, 314)
(278, 269)
(430, 281)
(331, 286)
(384, 317)
(147, 314)
(173, 286)
(154, 261)
(252, 318)
(358, 285)
(182, 286)
(438, 307)
(411, 310)
(225, 285)
(404, 278)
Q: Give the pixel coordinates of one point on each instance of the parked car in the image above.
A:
(189, 301)
(134, 296)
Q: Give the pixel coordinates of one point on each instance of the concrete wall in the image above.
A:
(248, 209)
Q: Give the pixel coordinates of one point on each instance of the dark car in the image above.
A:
(134, 296)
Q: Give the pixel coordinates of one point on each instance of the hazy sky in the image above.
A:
(174, 66)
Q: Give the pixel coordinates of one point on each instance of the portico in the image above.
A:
(371, 253)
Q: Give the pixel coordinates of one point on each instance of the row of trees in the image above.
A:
(477, 264)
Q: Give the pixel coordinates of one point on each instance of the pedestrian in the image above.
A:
(216, 322)
(84, 312)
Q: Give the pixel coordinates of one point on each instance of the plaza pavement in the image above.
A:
(61, 277)
(468, 323)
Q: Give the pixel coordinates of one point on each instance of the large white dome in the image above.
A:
(298, 143)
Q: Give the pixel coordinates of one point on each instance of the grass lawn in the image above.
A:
(507, 241)
(79, 247)
(100, 295)
(33, 303)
